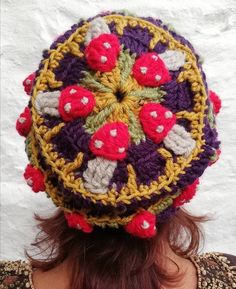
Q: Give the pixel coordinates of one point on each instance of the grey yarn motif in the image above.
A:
(179, 141)
(47, 103)
(98, 174)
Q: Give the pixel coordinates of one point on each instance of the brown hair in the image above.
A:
(109, 258)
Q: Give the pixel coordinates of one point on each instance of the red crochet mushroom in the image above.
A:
(150, 70)
(216, 101)
(157, 121)
(143, 225)
(75, 101)
(34, 178)
(187, 194)
(102, 52)
(24, 122)
(111, 141)
(77, 221)
(28, 83)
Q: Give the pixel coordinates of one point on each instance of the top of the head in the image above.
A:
(120, 124)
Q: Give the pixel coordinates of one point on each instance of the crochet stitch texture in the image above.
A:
(122, 123)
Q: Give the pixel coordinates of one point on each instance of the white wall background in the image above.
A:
(30, 26)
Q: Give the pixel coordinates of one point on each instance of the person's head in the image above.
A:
(119, 128)
(110, 258)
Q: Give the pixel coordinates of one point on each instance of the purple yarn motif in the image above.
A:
(51, 121)
(179, 96)
(70, 70)
(71, 140)
(165, 215)
(136, 39)
(146, 161)
(76, 201)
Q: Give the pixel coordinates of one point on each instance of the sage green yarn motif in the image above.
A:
(92, 81)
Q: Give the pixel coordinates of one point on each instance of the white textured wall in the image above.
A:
(30, 26)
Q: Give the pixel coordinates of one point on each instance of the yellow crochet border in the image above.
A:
(42, 134)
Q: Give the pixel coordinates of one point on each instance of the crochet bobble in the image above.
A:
(24, 122)
(34, 178)
(216, 101)
(143, 225)
(157, 121)
(78, 221)
(150, 70)
(28, 83)
(187, 194)
(101, 53)
(75, 101)
(111, 141)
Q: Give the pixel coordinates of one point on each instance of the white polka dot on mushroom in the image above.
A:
(158, 77)
(143, 69)
(103, 59)
(145, 225)
(155, 57)
(72, 91)
(22, 119)
(67, 107)
(154, 114)
(107, 45)
(121, 150)
(84, 100)
(28, 81)
(29, 182)
(160, 128)
(98, 143)
(168, 114)
(113, 132)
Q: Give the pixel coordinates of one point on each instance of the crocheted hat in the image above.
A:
(120, 124)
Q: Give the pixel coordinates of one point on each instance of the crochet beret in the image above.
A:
(120, 124)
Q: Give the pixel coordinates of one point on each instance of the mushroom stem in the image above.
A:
(98, 174)
(47, 103)
(97, 27)
(179, 141)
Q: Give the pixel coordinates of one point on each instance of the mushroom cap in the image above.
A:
(24, 122)
(216, 101)
(28, 83)
(111, 141)
(34, 178)
(187, 194)
(75, 101)
(150, 70)
(143, 225)
(101, 53)
(78, 221)
(156, 120)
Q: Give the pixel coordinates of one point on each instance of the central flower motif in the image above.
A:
(119, 97)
